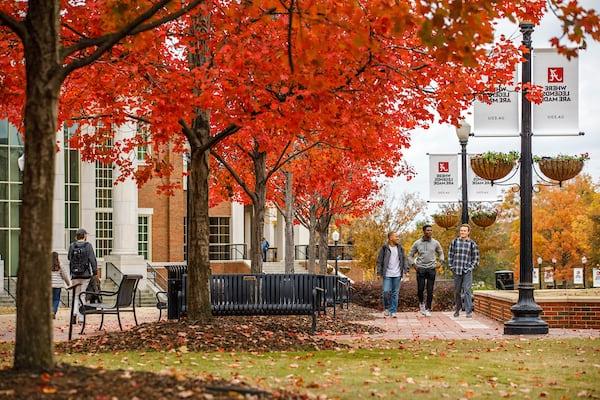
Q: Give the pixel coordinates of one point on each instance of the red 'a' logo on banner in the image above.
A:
(555, 75)
(443, 166)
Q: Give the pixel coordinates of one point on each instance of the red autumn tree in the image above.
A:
(43, 46)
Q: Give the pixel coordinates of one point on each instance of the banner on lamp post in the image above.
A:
(559, 78)
(596, 274)
(443, 177)
(535, 276)
(479, 189)
(501, 116)
(548, 275)
(578, 276)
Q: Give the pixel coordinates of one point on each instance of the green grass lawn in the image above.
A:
(433, 369)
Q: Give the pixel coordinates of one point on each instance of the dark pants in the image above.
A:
(55, 299)
(463, 283)
(425, 277)
(264, 254)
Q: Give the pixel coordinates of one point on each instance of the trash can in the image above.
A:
(175, 290)
(505, 280)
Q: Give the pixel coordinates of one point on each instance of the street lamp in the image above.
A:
(583, 262)
(554, 261)
(336, 237)
(539, 261)
(462, 132)
(526, 313)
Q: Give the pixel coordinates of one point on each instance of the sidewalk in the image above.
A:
(61, 324)
(443, 325)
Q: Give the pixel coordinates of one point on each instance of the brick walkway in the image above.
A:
(61, 324)
(443, 325)
(409, 325)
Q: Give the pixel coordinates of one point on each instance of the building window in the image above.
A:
(11, 148)
(143, 149)
(104, 184)
(218, 238)
(71, 184)
(103, 233)
(144, 236)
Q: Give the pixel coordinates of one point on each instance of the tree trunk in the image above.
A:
(198, 293)
(323, 231)
(289, 224)
(312, 240)
(258, 207)
(33, 347)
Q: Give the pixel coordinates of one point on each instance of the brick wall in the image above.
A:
(169, 211)
(569, 313)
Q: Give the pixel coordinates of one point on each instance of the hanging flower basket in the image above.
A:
(561, 168)
(493, 166)
(446, 221)
(484, 219)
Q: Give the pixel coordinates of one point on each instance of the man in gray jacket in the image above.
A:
(426, 249)
(391, 266)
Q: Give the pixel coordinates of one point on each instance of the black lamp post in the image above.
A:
(463, 132)
(539, 261)
(526, 313)
(583, 262)
(336, 238)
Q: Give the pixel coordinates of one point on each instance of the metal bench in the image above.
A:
(341, 292)
(256, 294)
(123, 301)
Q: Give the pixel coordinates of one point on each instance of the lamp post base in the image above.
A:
(526, 316)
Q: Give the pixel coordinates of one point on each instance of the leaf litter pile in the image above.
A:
(234, 333)
(69, 382)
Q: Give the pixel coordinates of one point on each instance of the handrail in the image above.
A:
(157, 279)
(227, 251)
(7, 288)
(113, 273)
(344, 251)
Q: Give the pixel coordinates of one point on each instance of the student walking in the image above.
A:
(427, 250)
(60, 277)
(264, 246)
(391, 266)
(463, 257)
(83, 265)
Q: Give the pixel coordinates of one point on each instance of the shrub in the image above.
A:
(368, 294)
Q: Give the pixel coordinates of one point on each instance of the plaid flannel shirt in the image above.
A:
(463, 256)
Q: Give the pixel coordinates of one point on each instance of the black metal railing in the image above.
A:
(344, 251)
(8, 286)
(227, 251)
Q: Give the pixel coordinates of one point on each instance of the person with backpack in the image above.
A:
(264, 246)
(83, 265)
(463, 257)
(60, 277)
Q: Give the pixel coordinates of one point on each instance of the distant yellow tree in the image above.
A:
(562, 225)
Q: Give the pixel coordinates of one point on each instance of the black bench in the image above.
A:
(341, 292)
(256, 294)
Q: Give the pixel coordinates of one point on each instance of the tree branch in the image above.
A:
(235, 176)
(106, 42)
(17, 27)
(214, 140)
(189, 134)
(295, 154)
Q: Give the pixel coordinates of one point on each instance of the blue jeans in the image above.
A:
(55, 299)
(391, 288)
(463, 283)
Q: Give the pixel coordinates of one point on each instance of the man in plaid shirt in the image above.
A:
(463, 257)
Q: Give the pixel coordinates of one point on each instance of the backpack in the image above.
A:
(79, 260)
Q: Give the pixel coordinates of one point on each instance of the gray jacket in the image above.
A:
(426, 252)
(383, 260)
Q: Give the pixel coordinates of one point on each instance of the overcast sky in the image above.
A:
(442, 138)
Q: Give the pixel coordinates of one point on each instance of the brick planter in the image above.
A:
(560, 311)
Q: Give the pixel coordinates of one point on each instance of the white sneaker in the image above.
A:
(393, 315)
(386, 313)
(427, 313)
(422, 308)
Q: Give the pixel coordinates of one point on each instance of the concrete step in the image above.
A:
(279, 268)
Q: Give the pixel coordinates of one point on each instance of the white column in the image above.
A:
(58, 201)
(124, 253)
(280, 235)
(87, 200)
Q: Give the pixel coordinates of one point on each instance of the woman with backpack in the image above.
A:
(60, 277)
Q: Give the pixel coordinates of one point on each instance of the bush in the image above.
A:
(368, 294)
